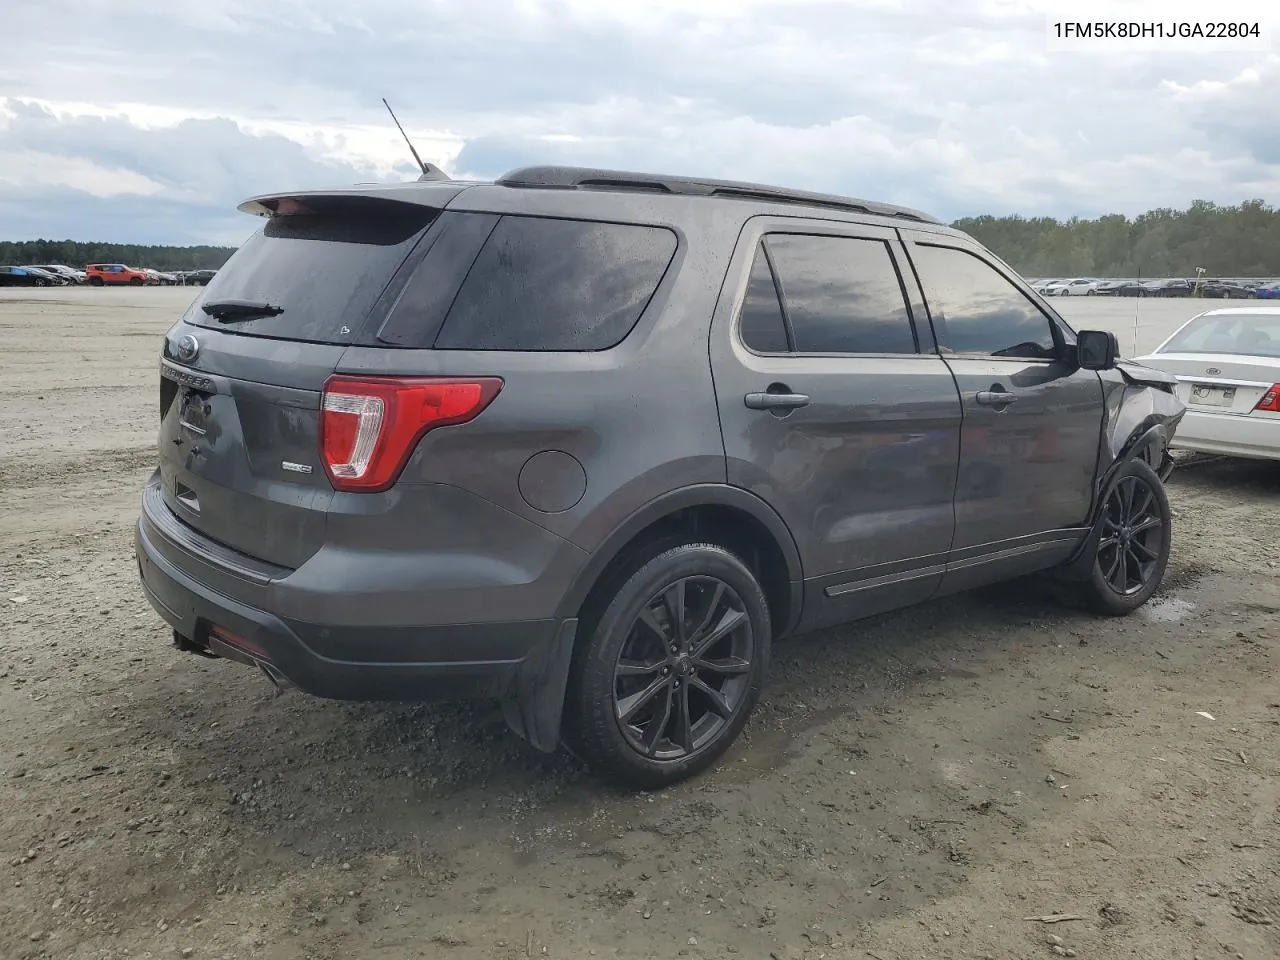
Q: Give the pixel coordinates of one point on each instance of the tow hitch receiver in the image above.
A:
(187, 646)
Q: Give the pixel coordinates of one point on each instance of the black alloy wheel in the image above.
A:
(682, 673)
(1132, 536)
(1134, 533)
(672, 654)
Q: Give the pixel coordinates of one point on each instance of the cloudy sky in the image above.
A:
(148, 120)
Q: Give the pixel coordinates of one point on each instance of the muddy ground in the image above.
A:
(915, 786)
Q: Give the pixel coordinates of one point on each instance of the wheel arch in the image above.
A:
(712, 512)
(730, 516)
(1147, 441)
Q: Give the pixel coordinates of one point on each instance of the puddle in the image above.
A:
(1168, 610)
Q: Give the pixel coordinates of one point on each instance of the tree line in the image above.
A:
(1227, 241)
(1231, 241)
(74, 253)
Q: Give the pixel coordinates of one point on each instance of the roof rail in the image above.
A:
(572, 178)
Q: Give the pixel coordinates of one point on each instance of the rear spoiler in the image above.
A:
(436, 194)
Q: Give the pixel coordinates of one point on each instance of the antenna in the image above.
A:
(429, 170)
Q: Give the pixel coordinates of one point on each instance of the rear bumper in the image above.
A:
(1229, 435)
(436, 662)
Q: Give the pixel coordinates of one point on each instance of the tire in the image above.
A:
(96, 281)
(136, 282)
(1138, 490)
(718, 686)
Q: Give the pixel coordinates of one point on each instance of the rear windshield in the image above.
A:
(324, 269)
(1249, 334)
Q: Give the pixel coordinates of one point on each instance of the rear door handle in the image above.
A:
(995, 398)
(775, 401)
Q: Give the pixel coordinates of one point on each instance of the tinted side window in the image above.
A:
(842, 295)
(981, 311)
(543, 284)
(762, 326)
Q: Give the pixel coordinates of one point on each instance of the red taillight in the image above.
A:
(1270, 400)
(370, 425)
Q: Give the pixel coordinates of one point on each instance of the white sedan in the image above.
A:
(1228, 367)
(1080, 287)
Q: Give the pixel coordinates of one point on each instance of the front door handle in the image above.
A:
(996, 398)
(775, 401)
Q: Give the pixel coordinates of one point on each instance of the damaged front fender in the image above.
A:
(1142, 415)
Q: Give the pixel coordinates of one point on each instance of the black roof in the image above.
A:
(587, 178)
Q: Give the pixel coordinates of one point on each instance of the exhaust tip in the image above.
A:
(187, 645)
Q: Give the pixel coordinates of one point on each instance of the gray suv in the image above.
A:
(589, 442)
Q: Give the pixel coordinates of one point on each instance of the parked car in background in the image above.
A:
(54, 279)
(112, 274)
(1226, 290)
(159, 277)
(28, 277)
(436, 483)
(1268, 291)
(1080, 287)
(1116, 288)
(44, 278)
(1040, 286)
(1227, 362)
(70, 274)
(1167, 287)
(197, 277)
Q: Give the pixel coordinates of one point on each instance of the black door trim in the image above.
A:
(918, 568)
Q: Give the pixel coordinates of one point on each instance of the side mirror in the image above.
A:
(1097, 350)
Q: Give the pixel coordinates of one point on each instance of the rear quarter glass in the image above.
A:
(526, 283)
(326, 269)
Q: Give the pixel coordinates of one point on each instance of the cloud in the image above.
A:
(107, 178)
(1236, 111)
(955, 108)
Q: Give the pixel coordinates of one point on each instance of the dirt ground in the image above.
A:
(920, 785)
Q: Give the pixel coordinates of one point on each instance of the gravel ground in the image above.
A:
(924, 784)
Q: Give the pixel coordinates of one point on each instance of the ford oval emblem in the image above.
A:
(1212, 372)
(187, 348)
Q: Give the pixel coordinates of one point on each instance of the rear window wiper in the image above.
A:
(229, 311)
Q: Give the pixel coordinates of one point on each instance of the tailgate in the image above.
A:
(243, 372)
(239, 458)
